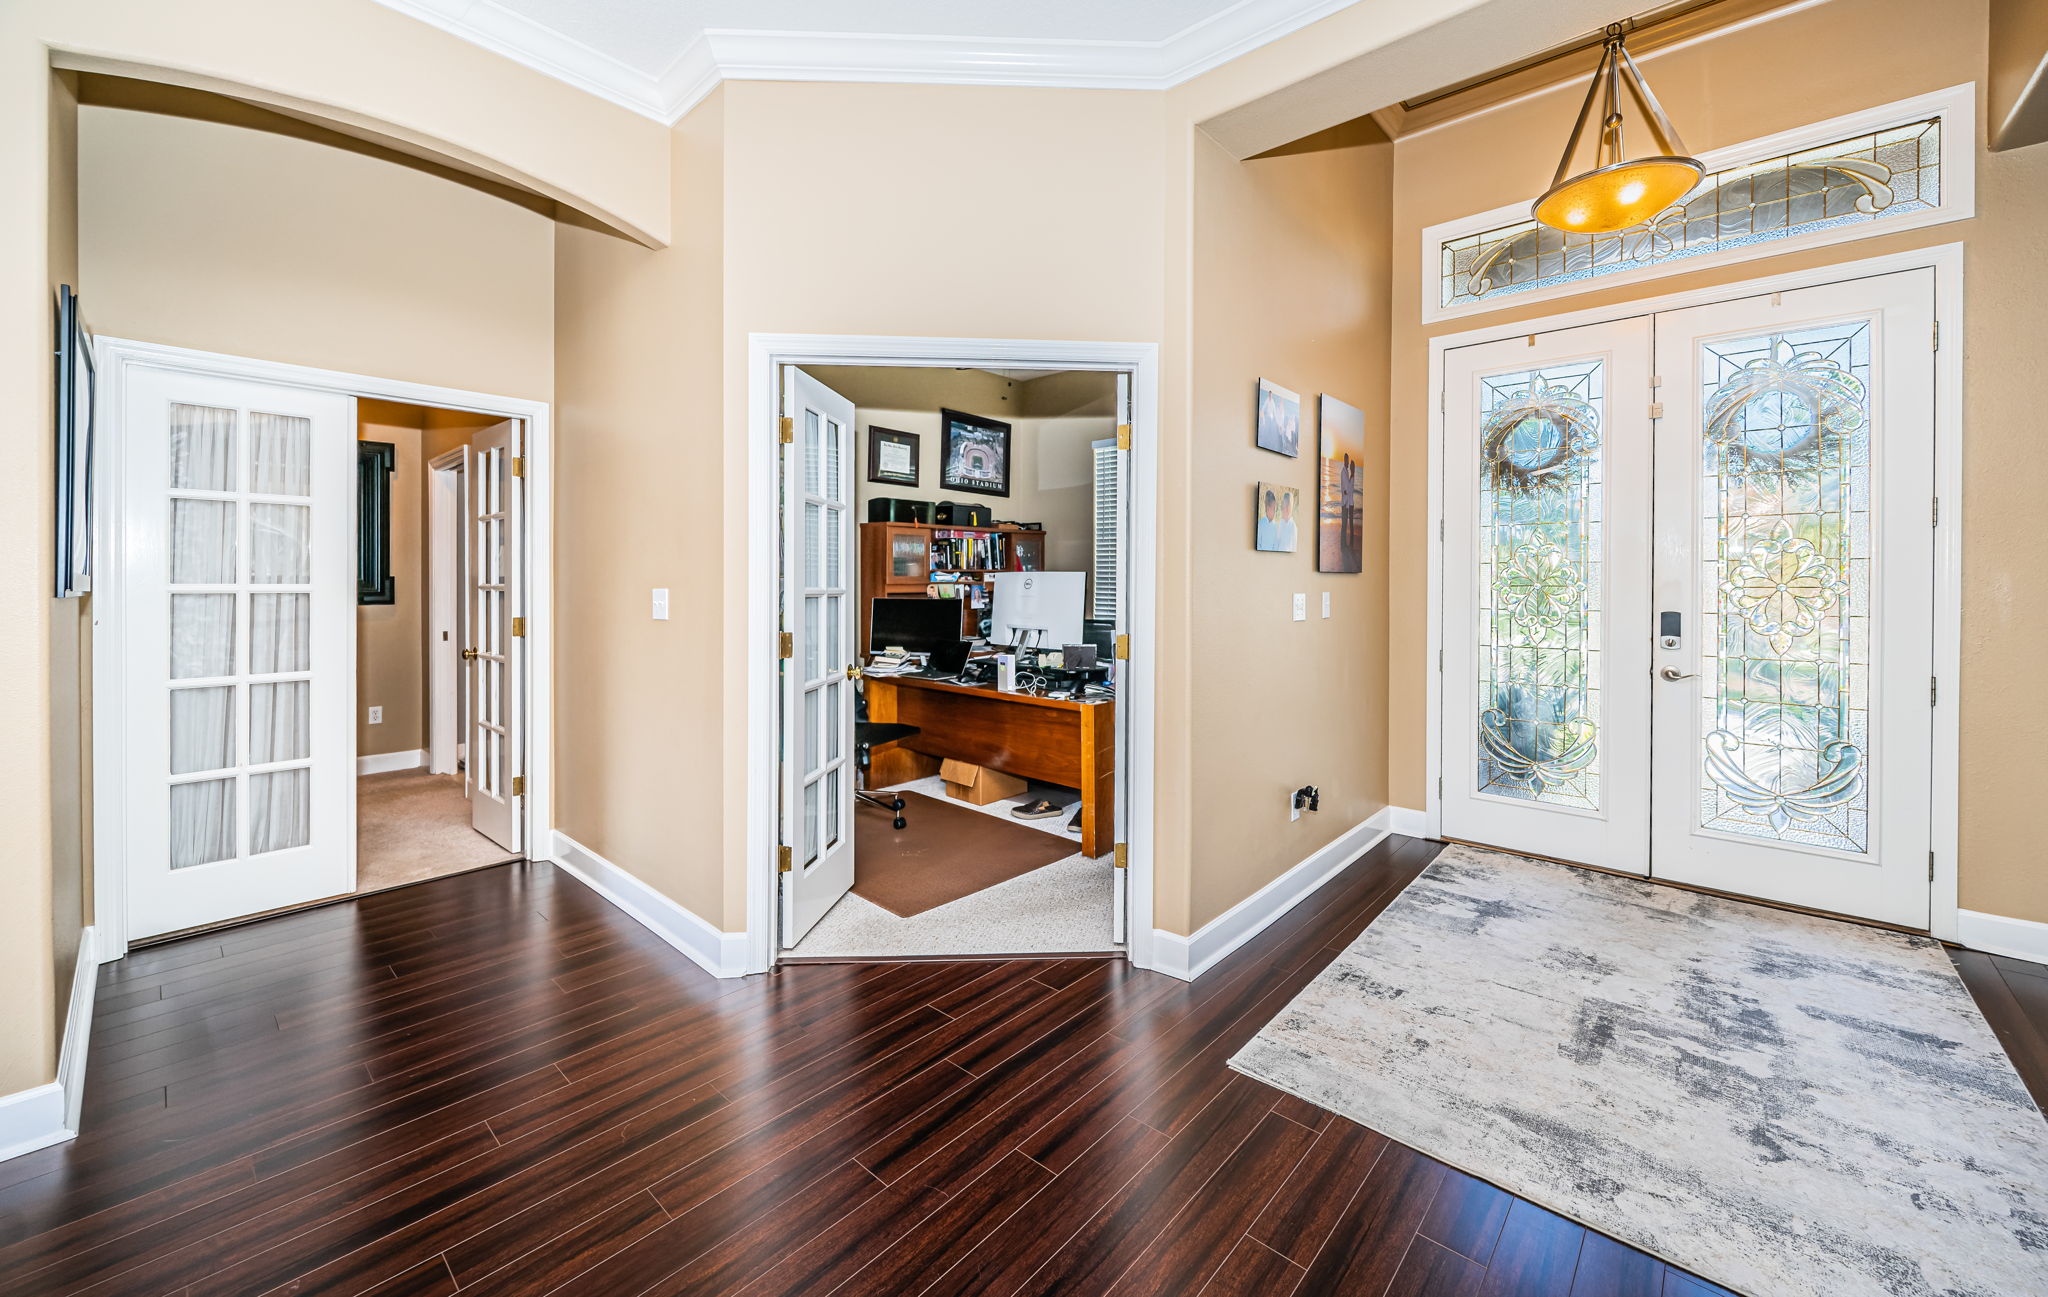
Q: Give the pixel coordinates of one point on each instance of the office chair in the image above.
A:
(870, 737)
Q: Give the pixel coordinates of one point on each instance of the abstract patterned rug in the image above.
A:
(1788, 1106)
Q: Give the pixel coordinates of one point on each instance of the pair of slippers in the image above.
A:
(1046, 809)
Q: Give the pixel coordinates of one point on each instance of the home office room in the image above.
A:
(959, 529)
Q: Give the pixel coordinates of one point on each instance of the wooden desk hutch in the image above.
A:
(897, 560)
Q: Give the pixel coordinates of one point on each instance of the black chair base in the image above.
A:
(884, 802)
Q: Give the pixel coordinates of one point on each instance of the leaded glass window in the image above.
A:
(1539, 583)
(1866, 177)
(1785, 587)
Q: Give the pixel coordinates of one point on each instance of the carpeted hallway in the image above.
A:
(411, 825)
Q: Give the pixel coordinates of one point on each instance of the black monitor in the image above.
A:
(914, 625)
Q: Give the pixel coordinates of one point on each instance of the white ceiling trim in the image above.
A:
(723, 54)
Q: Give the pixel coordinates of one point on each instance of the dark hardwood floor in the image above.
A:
(496, 1083)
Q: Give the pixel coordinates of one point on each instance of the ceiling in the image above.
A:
(659, 57)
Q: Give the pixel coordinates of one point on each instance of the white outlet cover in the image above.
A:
(661, 605)
(376, 716)
(1301, 607)
(1326, 603)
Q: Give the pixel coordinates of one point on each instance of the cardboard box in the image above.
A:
(978, 785)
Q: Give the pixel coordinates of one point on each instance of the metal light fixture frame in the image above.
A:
(1610, 153)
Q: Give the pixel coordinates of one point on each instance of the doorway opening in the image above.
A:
(1696, 590)
(955, 676)
(268, 653)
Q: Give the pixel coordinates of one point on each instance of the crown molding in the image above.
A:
(727, 54)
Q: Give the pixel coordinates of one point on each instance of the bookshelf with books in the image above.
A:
(921, 561)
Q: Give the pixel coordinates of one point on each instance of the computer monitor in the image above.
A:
(915, 625)
(947, 657)
(1037, 609)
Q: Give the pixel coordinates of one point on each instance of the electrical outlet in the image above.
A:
(376, 716)
(1301, 607)
(1326, 603)
(1293, 807)
(661, 605)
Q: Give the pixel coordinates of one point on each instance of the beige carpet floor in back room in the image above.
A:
(411, 825)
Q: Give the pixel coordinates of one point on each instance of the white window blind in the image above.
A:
(1102, 605)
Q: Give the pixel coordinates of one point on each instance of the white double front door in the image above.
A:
(1688, 595)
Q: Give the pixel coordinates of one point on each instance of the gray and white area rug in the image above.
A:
(1788, 1106)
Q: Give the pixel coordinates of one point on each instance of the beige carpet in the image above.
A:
(411, 825)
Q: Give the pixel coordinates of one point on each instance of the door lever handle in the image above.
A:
(1673, 673)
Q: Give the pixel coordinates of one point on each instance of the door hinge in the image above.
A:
(1930, 866)
(519, 628)
(1656, 409)
(519, 785)
(1439, 788)
(1937, 335)
(788, 430)
(1439, 660)
(1933, 690)
(518, 466)
(782, 860)
(1122, 852)
(1937, 511)
(1439, 529)
(1123, 436)
(1123, 648)
(785, 645)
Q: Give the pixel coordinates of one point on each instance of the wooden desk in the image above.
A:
(1058, 740)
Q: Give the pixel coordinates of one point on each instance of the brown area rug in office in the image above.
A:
(947, 852)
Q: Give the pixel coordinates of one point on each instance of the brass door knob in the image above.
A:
(470, 655)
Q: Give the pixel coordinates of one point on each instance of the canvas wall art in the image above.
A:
(1275, 510)
(1340, 503)
(1279, 419)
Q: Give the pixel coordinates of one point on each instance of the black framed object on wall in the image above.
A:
(892, 456)
(375, 463)
(975, 455)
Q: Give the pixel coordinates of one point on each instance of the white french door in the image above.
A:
(1546, 740)
(818, 672)
(1795, 471)
(237, 562)
(495, 655)
(1689, 617)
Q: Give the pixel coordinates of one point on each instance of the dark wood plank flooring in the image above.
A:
(496, 1083)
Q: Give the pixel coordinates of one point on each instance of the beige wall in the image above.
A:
(1738, 87)
(1289, 284)
(391, 637)
(1054, 421)
(225, 239)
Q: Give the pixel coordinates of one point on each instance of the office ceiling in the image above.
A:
(658, 57)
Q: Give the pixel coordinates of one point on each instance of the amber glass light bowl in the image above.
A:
(1617, 196)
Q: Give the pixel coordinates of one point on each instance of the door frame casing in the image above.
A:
(1946, 261)
(118, 358)
(444, 738)
(766, 353)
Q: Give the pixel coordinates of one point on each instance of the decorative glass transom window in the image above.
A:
(1890, 175)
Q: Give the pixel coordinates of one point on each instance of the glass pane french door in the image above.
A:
(818, 689)
(1793, 719)
(236, 611)
(496, 658)
(1546, 577)
(1699, 645)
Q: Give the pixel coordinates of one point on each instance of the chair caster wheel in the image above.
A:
(897, 805)
(902, 823)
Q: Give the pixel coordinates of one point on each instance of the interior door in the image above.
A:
(495, 657)
(1120, 518)
(1546, 594)
(819, 671)
(238, 592)
(1795, 463)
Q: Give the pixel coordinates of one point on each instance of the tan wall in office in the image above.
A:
(641, 502)
(390, 637)
(1053, 422)
(1290, 284)
(224, 239)
(352, 61)
(1738, 87)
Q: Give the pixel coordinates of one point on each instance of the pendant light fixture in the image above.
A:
(1617, 191)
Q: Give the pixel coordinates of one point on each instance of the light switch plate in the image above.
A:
(376, 716)
(1326, 603)
(661, 605)
(1301, 607)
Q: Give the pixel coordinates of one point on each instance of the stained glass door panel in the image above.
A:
(1794, 470)
(236, 610)
(1545, 698)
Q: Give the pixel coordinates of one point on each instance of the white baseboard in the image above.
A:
(1995, 934)
(721, 954)
(1189, 957)
(1407, 823)
(48, 1114)
(384, 762)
